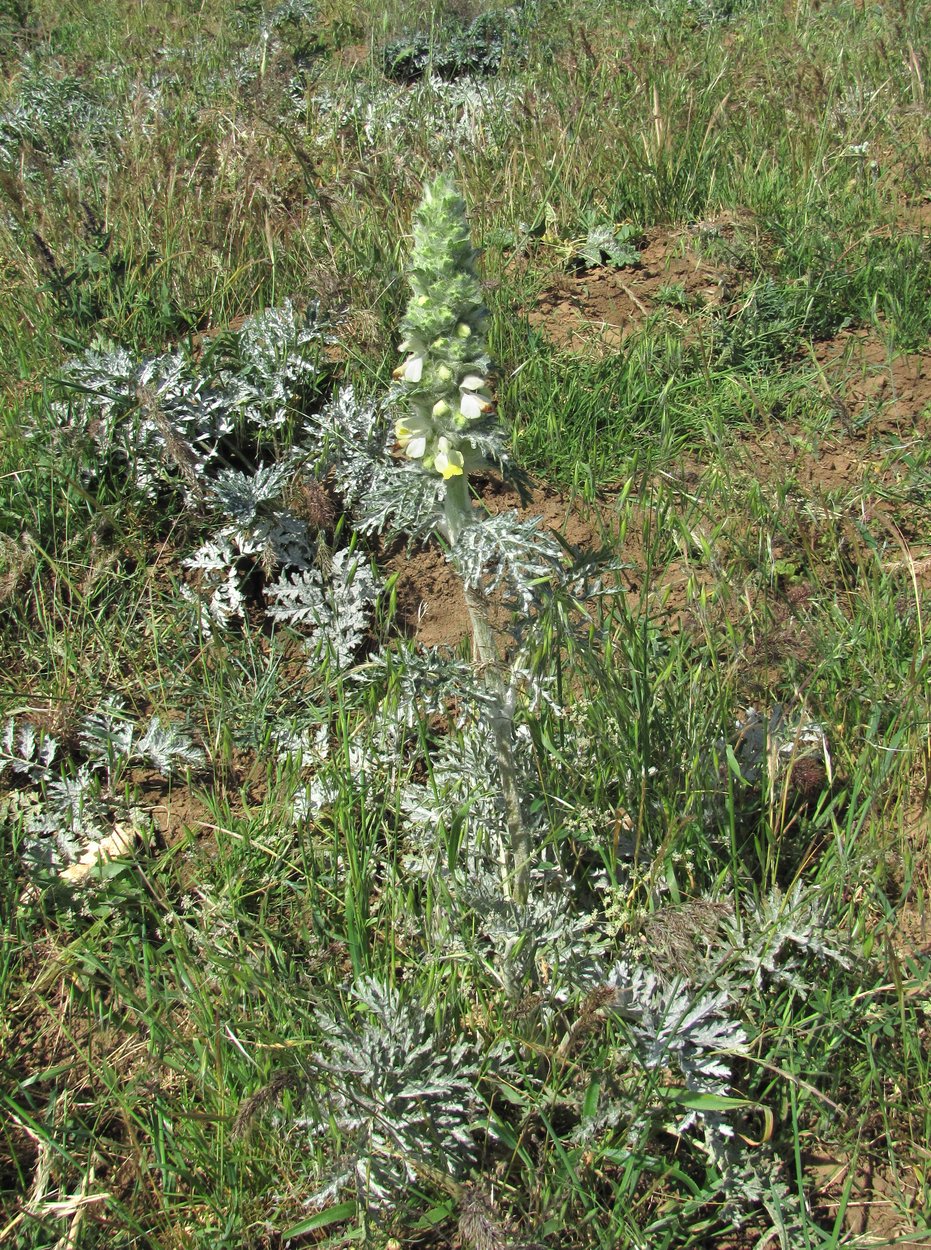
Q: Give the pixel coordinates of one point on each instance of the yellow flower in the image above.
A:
(447, 460)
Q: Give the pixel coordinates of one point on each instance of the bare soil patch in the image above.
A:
(430, 599)
(596, 309)
(886, 394)
(866, 466)
(881, 1208)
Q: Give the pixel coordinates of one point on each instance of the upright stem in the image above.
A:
(449, 425)
(459, 514)
(485, 654)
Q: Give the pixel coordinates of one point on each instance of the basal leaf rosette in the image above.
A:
(444, 380)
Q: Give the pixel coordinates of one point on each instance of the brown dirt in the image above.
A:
(430, 599)
(882, 1208)
(867, 385)
(596, 309)
(849, 490)
(175, 810)
(858, 467)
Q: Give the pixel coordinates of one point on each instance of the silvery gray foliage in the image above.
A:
(338, 606)
(62, 813)
(51, 112)
(109, 737)
(66, 815)
(274, 357)
(105, 377)
(463, 797)
(443, 117)
(259, 529)
(245, 499)
(394, 497)
(460, 794)
(424, 682)
(106, 736)
(167, 749)
(503, 549)
(157, 418)
(400, 502)
(604, 242)
(371, 760)
(71, 807)
(220, 597)
(386, 494)
(250, 62)
(777, 938)
(344, 428)
(167, 419)
(26, 751)
(674, 1025)
(353, 439)
(290, 11)
(749, 1182)
(399, 1092)
(296, 742)
(547, 945)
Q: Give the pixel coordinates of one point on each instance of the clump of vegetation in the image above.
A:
(474, 49)
(397, 848)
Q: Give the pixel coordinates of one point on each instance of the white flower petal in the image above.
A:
(473, 406)
(411, 370)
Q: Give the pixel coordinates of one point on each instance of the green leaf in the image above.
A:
(590, 1103)
(323, 1219)
(710, 1102)
(605, 244)
(436, 1215)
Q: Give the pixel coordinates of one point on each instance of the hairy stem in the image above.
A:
(459, 514)
(485, 654)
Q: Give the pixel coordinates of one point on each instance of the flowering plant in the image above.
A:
(451, 428)
(450, 425)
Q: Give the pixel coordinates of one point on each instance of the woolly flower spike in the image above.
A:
(444, 376)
